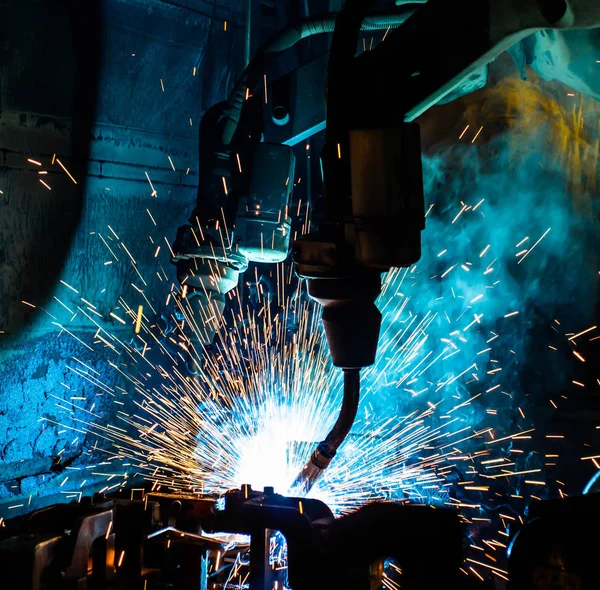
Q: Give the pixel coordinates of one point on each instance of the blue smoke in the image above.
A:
(486, 207)
(507, 271)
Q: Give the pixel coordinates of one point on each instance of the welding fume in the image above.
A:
(371, 166)
(282, 310)
(373, 203)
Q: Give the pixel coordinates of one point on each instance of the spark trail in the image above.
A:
(266, 392)
(443, 418)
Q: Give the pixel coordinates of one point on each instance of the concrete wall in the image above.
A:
(112, 89)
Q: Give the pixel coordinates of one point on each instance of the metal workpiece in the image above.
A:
(30, 557)
(326, 552)
(244, 497)
(63, 546)
(296, 518)
(183, 541)
(119, 542)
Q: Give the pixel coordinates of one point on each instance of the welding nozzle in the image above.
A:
(326, 450)
(311, 472)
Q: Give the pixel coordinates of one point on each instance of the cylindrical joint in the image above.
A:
(306, 478)
(262, 224)
(321, 458)
(387, 195)
(350, 317)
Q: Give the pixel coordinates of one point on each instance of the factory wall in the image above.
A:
(99, 110)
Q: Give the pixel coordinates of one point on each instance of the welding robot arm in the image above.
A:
(371, 165)
(244, 189)
(374, 205)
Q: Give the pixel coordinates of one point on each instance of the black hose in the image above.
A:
(341, 428)
(326, 24)
(327, 449)
(340, 77)
(343, 49)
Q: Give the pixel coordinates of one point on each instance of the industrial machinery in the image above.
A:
(371, 163)
(373, 218)
(263, 541)
(149, 540)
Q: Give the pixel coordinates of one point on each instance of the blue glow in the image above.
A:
(447, 383)
(448, 389)
(512, 544)
(592, 485)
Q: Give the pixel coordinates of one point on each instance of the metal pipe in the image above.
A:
(327, 449)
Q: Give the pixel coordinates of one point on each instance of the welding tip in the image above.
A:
(326, 450)
(311, 472)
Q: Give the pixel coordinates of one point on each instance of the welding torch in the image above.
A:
(327, 449)
(374, 215)
(373, 185)
(371, 163)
